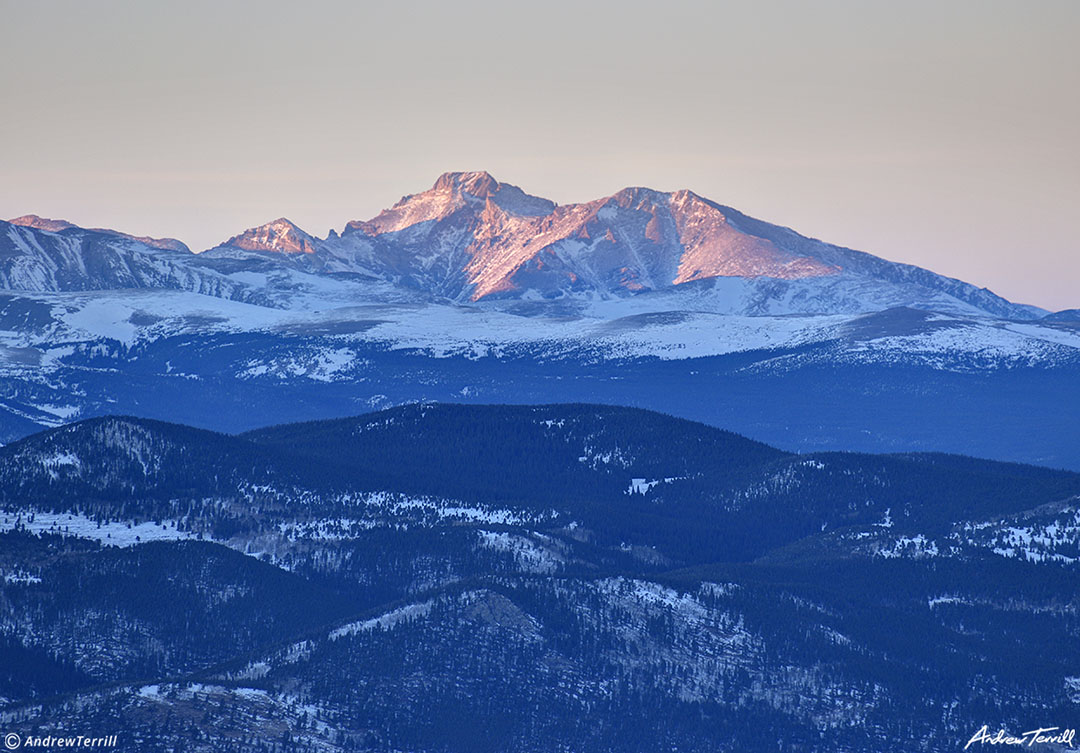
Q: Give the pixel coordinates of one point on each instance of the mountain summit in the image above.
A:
(41, 223)
(487, 238)
(280, 236)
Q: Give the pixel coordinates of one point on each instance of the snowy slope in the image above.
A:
(610, 330)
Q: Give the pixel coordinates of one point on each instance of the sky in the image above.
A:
(942, 134)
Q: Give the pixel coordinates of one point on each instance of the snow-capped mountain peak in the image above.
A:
(279, 236)
(454, 192)
(478, 183)
(471, 237)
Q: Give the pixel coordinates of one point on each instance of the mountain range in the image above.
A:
(477, 291)
(471, 238)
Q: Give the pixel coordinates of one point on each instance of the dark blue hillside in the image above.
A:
(630, 477)
(519, 578)
(550, 453)
(119, 614)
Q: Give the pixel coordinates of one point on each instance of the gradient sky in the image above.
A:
(943, 134)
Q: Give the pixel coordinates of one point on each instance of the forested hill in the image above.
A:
(690, 491)
(526, 578)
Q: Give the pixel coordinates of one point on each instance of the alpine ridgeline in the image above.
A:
(473, 238)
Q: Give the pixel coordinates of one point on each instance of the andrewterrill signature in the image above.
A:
(1042, 735)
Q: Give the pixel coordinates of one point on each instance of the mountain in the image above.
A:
(56, 226)
(53, 255)
(473, 238)
(280, 236)
(588, 577)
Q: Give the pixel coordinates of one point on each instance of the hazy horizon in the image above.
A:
(935, 135)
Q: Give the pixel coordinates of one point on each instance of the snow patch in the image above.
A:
(390, 619)
(109, 533)
(527, 554)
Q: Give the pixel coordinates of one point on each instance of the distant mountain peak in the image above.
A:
(454, 192)
(480, 184)
(41, 223)
(281, 236)
(471, 236)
